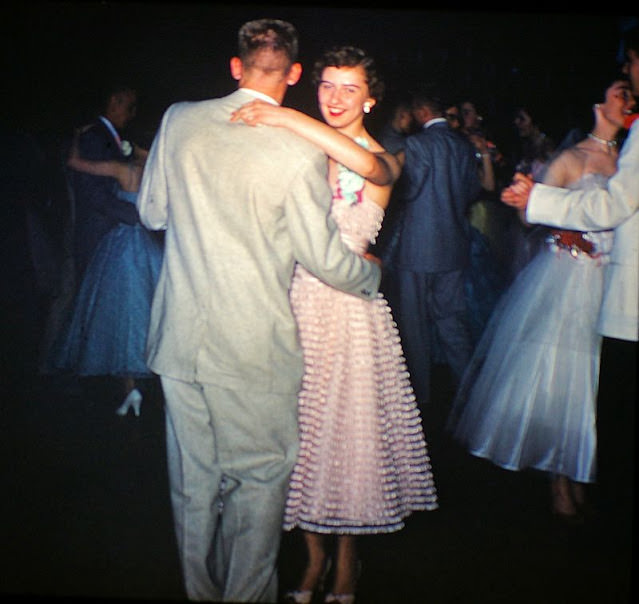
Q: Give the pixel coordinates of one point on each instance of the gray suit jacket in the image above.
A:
(240, 205)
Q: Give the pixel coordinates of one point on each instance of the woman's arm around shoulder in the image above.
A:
(377, 166)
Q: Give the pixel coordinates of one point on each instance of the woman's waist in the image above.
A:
(578, 243)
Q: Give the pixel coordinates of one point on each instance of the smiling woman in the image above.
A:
(357, 411)
(78, 468)
(528, 398)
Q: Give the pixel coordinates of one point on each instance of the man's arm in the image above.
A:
(379, 167)
(317, 244)
(153, 200)
(595, 209)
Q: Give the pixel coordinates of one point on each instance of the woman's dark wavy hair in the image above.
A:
(351, 56)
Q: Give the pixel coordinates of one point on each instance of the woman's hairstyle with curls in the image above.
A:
(351, 56)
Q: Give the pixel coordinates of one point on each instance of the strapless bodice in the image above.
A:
(359, 223)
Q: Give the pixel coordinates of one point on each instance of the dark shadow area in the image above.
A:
(86, 514)
(85, 506)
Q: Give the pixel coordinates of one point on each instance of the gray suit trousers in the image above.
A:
(230, 455)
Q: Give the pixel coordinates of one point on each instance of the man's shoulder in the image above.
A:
(450, 138)
(191, 116)
(297, 143)
(186, 108)
(415, 137)
(282, 147)
(95, 142)
(92, 129)
(427, 136)
(226, 103)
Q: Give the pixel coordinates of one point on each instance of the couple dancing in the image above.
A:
(116, 260)
(528, 398)
(315, 426)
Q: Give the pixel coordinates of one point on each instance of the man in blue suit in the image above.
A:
(97, 208)
(441, 180)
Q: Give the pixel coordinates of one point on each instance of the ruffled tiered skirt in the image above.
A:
(363, 464)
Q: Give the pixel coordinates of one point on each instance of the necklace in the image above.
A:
(610, 144)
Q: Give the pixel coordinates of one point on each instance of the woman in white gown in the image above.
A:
(528, 397)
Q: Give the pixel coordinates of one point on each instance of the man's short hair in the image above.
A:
(267, 34)
(428, 96)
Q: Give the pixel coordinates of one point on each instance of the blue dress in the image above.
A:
(528, 396)
(106, 334)
(484, 284)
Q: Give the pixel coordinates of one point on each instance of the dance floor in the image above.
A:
(86, 515)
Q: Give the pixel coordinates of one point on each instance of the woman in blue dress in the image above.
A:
(107, 331)
(528, 397)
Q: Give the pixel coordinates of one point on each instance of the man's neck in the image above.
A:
(260, 95)
(433, 120)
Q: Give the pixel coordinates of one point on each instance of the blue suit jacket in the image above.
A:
(440, 180)
(97, 208)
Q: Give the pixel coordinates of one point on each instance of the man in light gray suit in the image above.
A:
(240, 205)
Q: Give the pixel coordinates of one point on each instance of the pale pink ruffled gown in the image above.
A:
(363, 464)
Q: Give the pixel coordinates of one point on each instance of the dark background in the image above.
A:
(57, 56)
(86, 510)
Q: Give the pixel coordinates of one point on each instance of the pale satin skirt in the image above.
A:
(528, 397)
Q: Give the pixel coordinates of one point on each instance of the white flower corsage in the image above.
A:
(127, 148)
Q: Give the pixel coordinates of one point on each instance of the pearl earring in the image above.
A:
(367, 107)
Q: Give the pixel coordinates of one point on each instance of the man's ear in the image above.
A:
(237, 69)
(294, 74)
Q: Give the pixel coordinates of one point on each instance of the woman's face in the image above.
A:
(452, 115)
(341, 95)
(523, 122)
(469, 115)
(618, 104)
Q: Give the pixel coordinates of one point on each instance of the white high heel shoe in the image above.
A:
(132, 401)
(306, 596)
